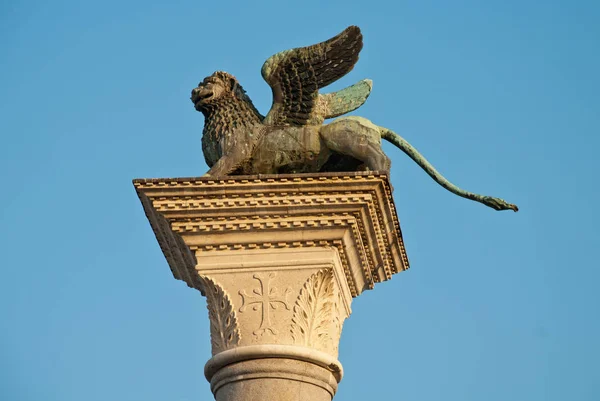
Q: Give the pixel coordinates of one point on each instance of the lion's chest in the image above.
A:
(234, 142)
(211, 148)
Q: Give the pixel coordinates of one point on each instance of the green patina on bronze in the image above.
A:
(292, 137)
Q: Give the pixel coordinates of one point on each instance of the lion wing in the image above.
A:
(296, 75)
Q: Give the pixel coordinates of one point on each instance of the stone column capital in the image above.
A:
(279, 259)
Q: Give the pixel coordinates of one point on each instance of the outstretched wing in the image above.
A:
(296, 75)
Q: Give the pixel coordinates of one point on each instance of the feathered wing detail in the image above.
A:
(295, 76)
(346, 100)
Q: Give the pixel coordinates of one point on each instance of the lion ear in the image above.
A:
(232, 83)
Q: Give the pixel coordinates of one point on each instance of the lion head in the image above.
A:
(216, 88)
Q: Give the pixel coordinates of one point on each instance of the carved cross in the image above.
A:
(265, 299)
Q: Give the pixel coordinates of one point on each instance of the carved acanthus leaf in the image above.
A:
(338, 322)
(314, 310)
(224, 330)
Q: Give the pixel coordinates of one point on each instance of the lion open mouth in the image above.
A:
(199, 95)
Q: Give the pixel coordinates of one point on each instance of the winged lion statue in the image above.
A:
(292, 137)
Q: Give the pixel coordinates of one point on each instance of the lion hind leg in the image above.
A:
(359, 138)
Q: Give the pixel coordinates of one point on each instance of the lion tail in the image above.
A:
(403, 145)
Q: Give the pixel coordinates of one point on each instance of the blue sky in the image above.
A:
(503, 97)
